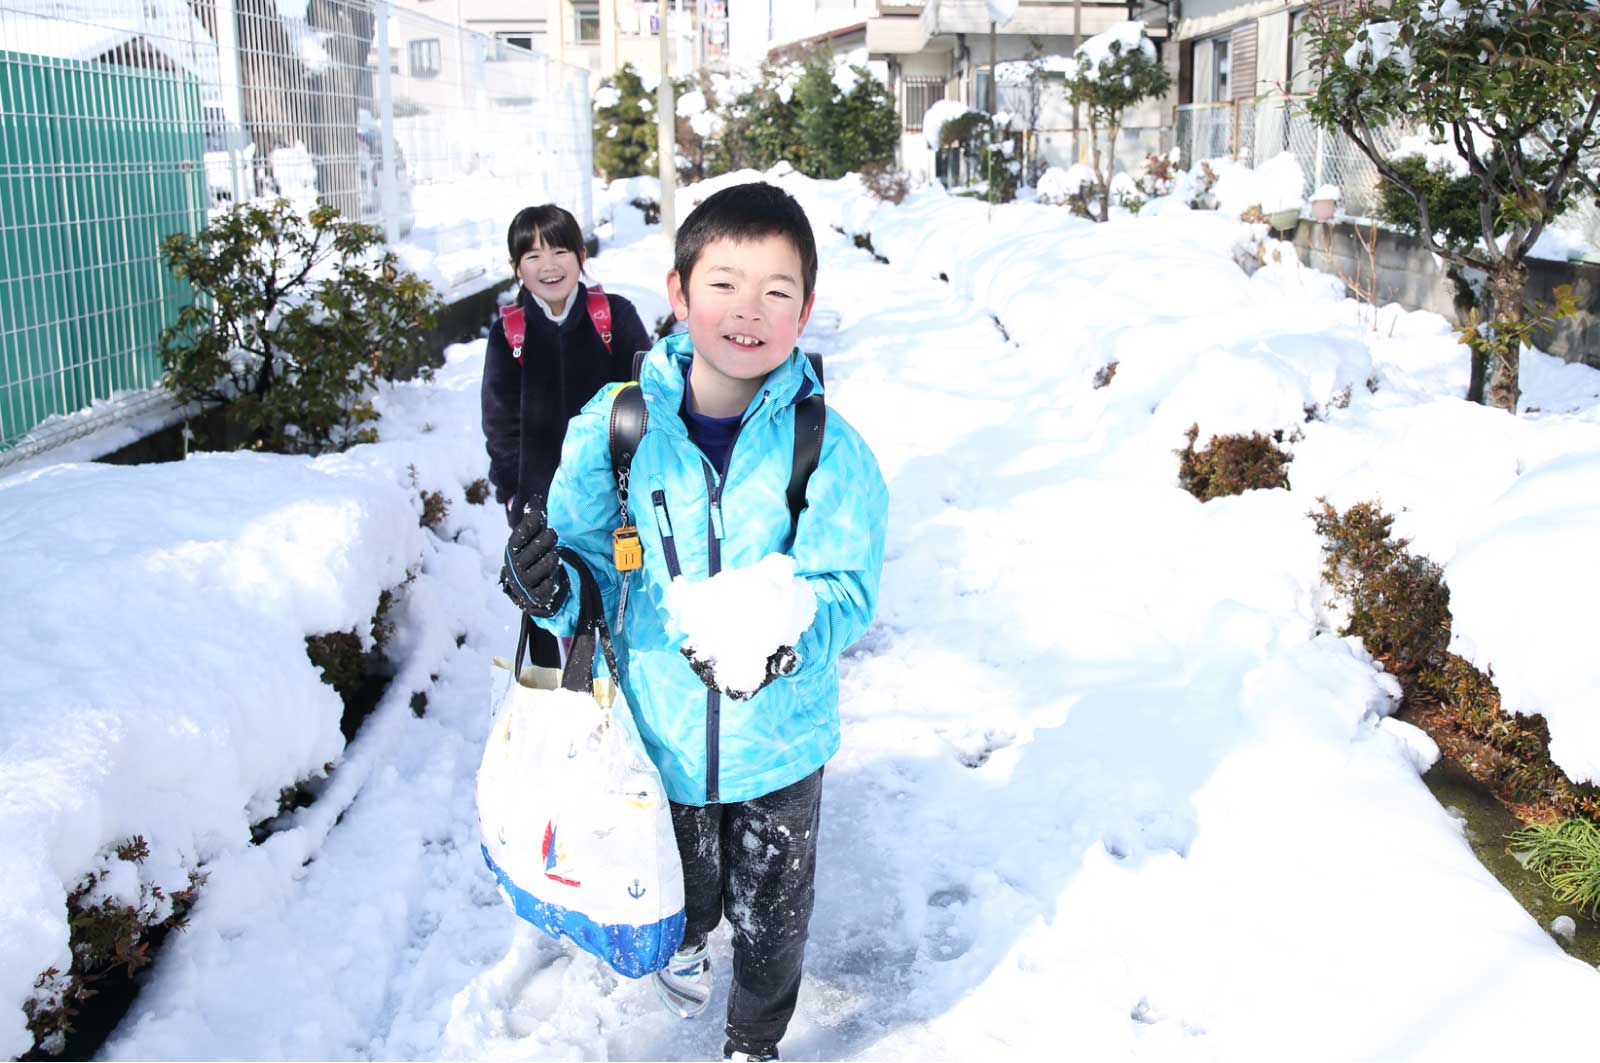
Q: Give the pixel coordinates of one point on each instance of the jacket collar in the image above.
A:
(666, 367)
(535, 315)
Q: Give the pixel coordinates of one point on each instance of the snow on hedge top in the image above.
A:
(740, 616)
(1277, 184)
(941, 112)
(177, 701)
(1097, 49)
(607, 96)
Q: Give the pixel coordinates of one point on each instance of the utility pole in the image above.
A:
(666, 133)
(994, 77)
(1077, 43)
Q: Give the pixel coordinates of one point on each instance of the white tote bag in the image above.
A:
(574, 820)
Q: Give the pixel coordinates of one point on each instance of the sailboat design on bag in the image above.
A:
(554, 857)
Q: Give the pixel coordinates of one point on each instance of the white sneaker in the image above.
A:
(744, 1056)
(684, 985)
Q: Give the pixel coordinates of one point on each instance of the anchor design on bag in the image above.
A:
(636, 891)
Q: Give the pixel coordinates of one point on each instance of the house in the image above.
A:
(1238, 65)
(942, 50)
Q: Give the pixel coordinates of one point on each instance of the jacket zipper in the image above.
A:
(669, 546)
(714, 530)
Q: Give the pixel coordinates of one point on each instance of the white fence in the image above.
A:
(124, 121)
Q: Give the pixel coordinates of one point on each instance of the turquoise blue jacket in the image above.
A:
(694, 523)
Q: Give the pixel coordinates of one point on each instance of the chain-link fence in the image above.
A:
(1253, 131)
(125, 121)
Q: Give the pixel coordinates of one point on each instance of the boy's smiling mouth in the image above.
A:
(739, 339)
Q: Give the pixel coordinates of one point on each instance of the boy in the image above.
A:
(743, 769)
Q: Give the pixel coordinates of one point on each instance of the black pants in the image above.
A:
(756, 862)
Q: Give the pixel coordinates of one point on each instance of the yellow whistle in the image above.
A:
(626, 549)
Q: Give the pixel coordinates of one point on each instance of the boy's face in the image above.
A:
(745, 304)
(551, 273)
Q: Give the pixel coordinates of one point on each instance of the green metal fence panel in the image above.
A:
(99, 163)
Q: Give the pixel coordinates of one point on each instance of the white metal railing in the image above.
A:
(124, 121)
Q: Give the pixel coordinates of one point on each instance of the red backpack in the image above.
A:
(516, 324)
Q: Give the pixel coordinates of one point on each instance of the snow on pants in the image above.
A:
(754, 861)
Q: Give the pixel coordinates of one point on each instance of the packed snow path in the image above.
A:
(1105, 791)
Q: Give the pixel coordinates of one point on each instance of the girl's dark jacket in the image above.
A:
(526, 406)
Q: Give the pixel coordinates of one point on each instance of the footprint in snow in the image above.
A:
(972, 747)
(948, 934)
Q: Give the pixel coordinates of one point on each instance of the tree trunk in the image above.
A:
(1102, 185)
(1505, 294)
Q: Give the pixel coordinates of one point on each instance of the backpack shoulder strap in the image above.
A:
(600, 314)
(628, 422)
(810, 421)
(516, 327)
(638, 363)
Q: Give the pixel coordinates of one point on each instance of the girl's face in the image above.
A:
(551, 273)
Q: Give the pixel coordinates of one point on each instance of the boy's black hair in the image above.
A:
(747, 212)
(549, 225)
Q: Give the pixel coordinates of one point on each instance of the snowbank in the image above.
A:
(156, 681)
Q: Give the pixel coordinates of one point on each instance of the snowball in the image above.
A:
(738, 617)
(1563, 927)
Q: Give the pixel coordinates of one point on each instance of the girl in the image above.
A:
(572, 344)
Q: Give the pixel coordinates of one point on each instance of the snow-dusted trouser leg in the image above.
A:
(755, 860)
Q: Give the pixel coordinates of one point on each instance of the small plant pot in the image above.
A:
(1284, 221)
(1322, 209)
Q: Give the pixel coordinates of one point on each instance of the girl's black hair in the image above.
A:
(548, 225)
(747, 212)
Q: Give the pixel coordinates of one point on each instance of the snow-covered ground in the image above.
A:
(1109, 787)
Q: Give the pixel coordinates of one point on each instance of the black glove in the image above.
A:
(533, 575)
(783, 661)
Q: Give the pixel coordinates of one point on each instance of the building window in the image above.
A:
(1302, 78)
(921, 94)
(586, 23)
(425, 57)
(1221, 89)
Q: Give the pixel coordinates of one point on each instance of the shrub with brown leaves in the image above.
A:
(1231, 465)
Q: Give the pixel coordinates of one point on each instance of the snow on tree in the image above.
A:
(1114, 71)
(1513, 87)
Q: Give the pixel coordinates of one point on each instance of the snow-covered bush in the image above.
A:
(1277, 184)
(1115, 70)
(1512, 83)
(1231, 465)
(1068, 188)
(847, 118)
(295, 319)
(115, 912)
(886, 183)
(624, 126)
